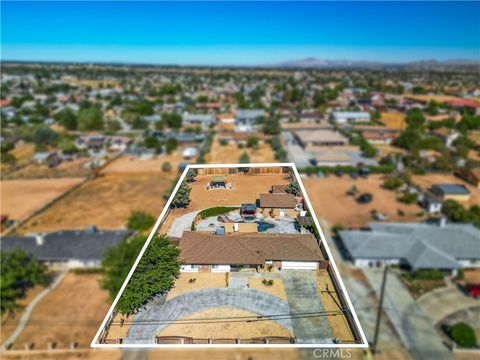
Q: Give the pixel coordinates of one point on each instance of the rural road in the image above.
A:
(414, 327)
(29, 308)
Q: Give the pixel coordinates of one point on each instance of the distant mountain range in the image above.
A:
(314, 63)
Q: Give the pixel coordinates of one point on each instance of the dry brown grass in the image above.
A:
(72, 168)
(277, 289)
(241, 329)
(224, 354)
(202, 281)
(106, 202)
(20, 198)
(230, 154)
(426, 182)
(331, 302)
(393, 120)
(471, 276)
(71, 312)
(329, 200)
(127, 164)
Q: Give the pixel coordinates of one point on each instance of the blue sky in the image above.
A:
(238, 33)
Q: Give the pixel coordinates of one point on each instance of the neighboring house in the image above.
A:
(349, 117)
(204, 120)
(432, 205)
(278, 204)
(97, 142)
(472, 176)
(152, 118)
(208, 105)
(379, 137)
(51, 158)
(69, 248)
(451, 192)
(246, 119)
(189, 153)
(309, 117)
(322, 137)
(202, 252)
(446, 247)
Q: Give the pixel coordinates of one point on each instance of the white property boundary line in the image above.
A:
(364, 343)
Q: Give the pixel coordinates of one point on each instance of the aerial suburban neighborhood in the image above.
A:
(240, 180)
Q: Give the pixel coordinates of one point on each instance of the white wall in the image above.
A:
(373, 262)
(189, 268)
(220, 268)
(299, 265)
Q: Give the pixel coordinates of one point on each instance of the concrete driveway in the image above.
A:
(303, 296)
(158, 314)
(181, 224)
(444, 301)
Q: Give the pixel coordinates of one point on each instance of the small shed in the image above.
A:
(218, 182)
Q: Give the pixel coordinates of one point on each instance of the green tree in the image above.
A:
(67, 146)
(19, 272)
(140, 221)
(172, 120)
(393, 183)
(171, 145)
(117, 262)
(166, 166)
(252, 142)
(244, 158)
(293, 188)
(67, 118)
(182, 196)
(44, 136)
(191, 175)
(90, 119)
(415, 119)
(155, 274)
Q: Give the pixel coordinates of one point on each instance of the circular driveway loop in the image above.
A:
(146, 324)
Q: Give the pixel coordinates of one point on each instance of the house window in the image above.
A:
(214, 266)
(192, 267)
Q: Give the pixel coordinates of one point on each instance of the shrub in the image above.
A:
(166, 166)
(244, 158)
(408, 198)
(215, 211)
(400, 212)
(227, 278)
(427, 275)
(337, 227)
(266, 282)
(393, 183)
(223, 142)
(140, 221)
(252, 142)
(193, 227)
(192, 280)
(464, 335)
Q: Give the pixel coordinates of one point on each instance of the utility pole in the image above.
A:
(379, 311)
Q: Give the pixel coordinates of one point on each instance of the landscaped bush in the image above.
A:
(393, 183)
(192, 280)
(166, 166)
(268, 283)
(215, 211)
(464, 335)
(140, 221)
(408, 198)
(427, 275)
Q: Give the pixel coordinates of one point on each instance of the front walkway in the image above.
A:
(158, 314)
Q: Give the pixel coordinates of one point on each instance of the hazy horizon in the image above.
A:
(238, 33)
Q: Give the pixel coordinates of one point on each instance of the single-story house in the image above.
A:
(432, 205)
(202, 252)
(321, 137)
(245, 119)
(189, 152)
(451, 192)
(471, 176)
(445, 247)
(51, 158)
(349, 117)
(446, 135)
(204, 120)
(379, 137)
(278, 204)
(67, 248)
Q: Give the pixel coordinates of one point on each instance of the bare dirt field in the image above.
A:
(10, 320)
(71, 312)
(219, 329)
(72, 168)
(331, 302)
(393, 120)
(128, 164)
(245, 189)
(329, 200)
(202, 281)
(225, 354)
(230, 154)
(106, 202)
(426, 182)
(20, 198)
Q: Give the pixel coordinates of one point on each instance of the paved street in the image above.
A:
(303, 296)
(414, 327)
(158, 314)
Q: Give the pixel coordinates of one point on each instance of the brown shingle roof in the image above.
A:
(284, 201)
(278, 188)
(248, 248)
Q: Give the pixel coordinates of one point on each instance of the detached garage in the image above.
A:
(299, 265)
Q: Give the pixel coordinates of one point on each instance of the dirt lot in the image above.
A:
(106, 202)
(331, 302)
(241, 329)
(72, 312)
(10, 321)
(128, 164)
(72, 168)
(230, 154)
(277, 289)
(426, 182)
(245, 189)
(393, 120)
(20, 198)
(202, 281)
(329, 200)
